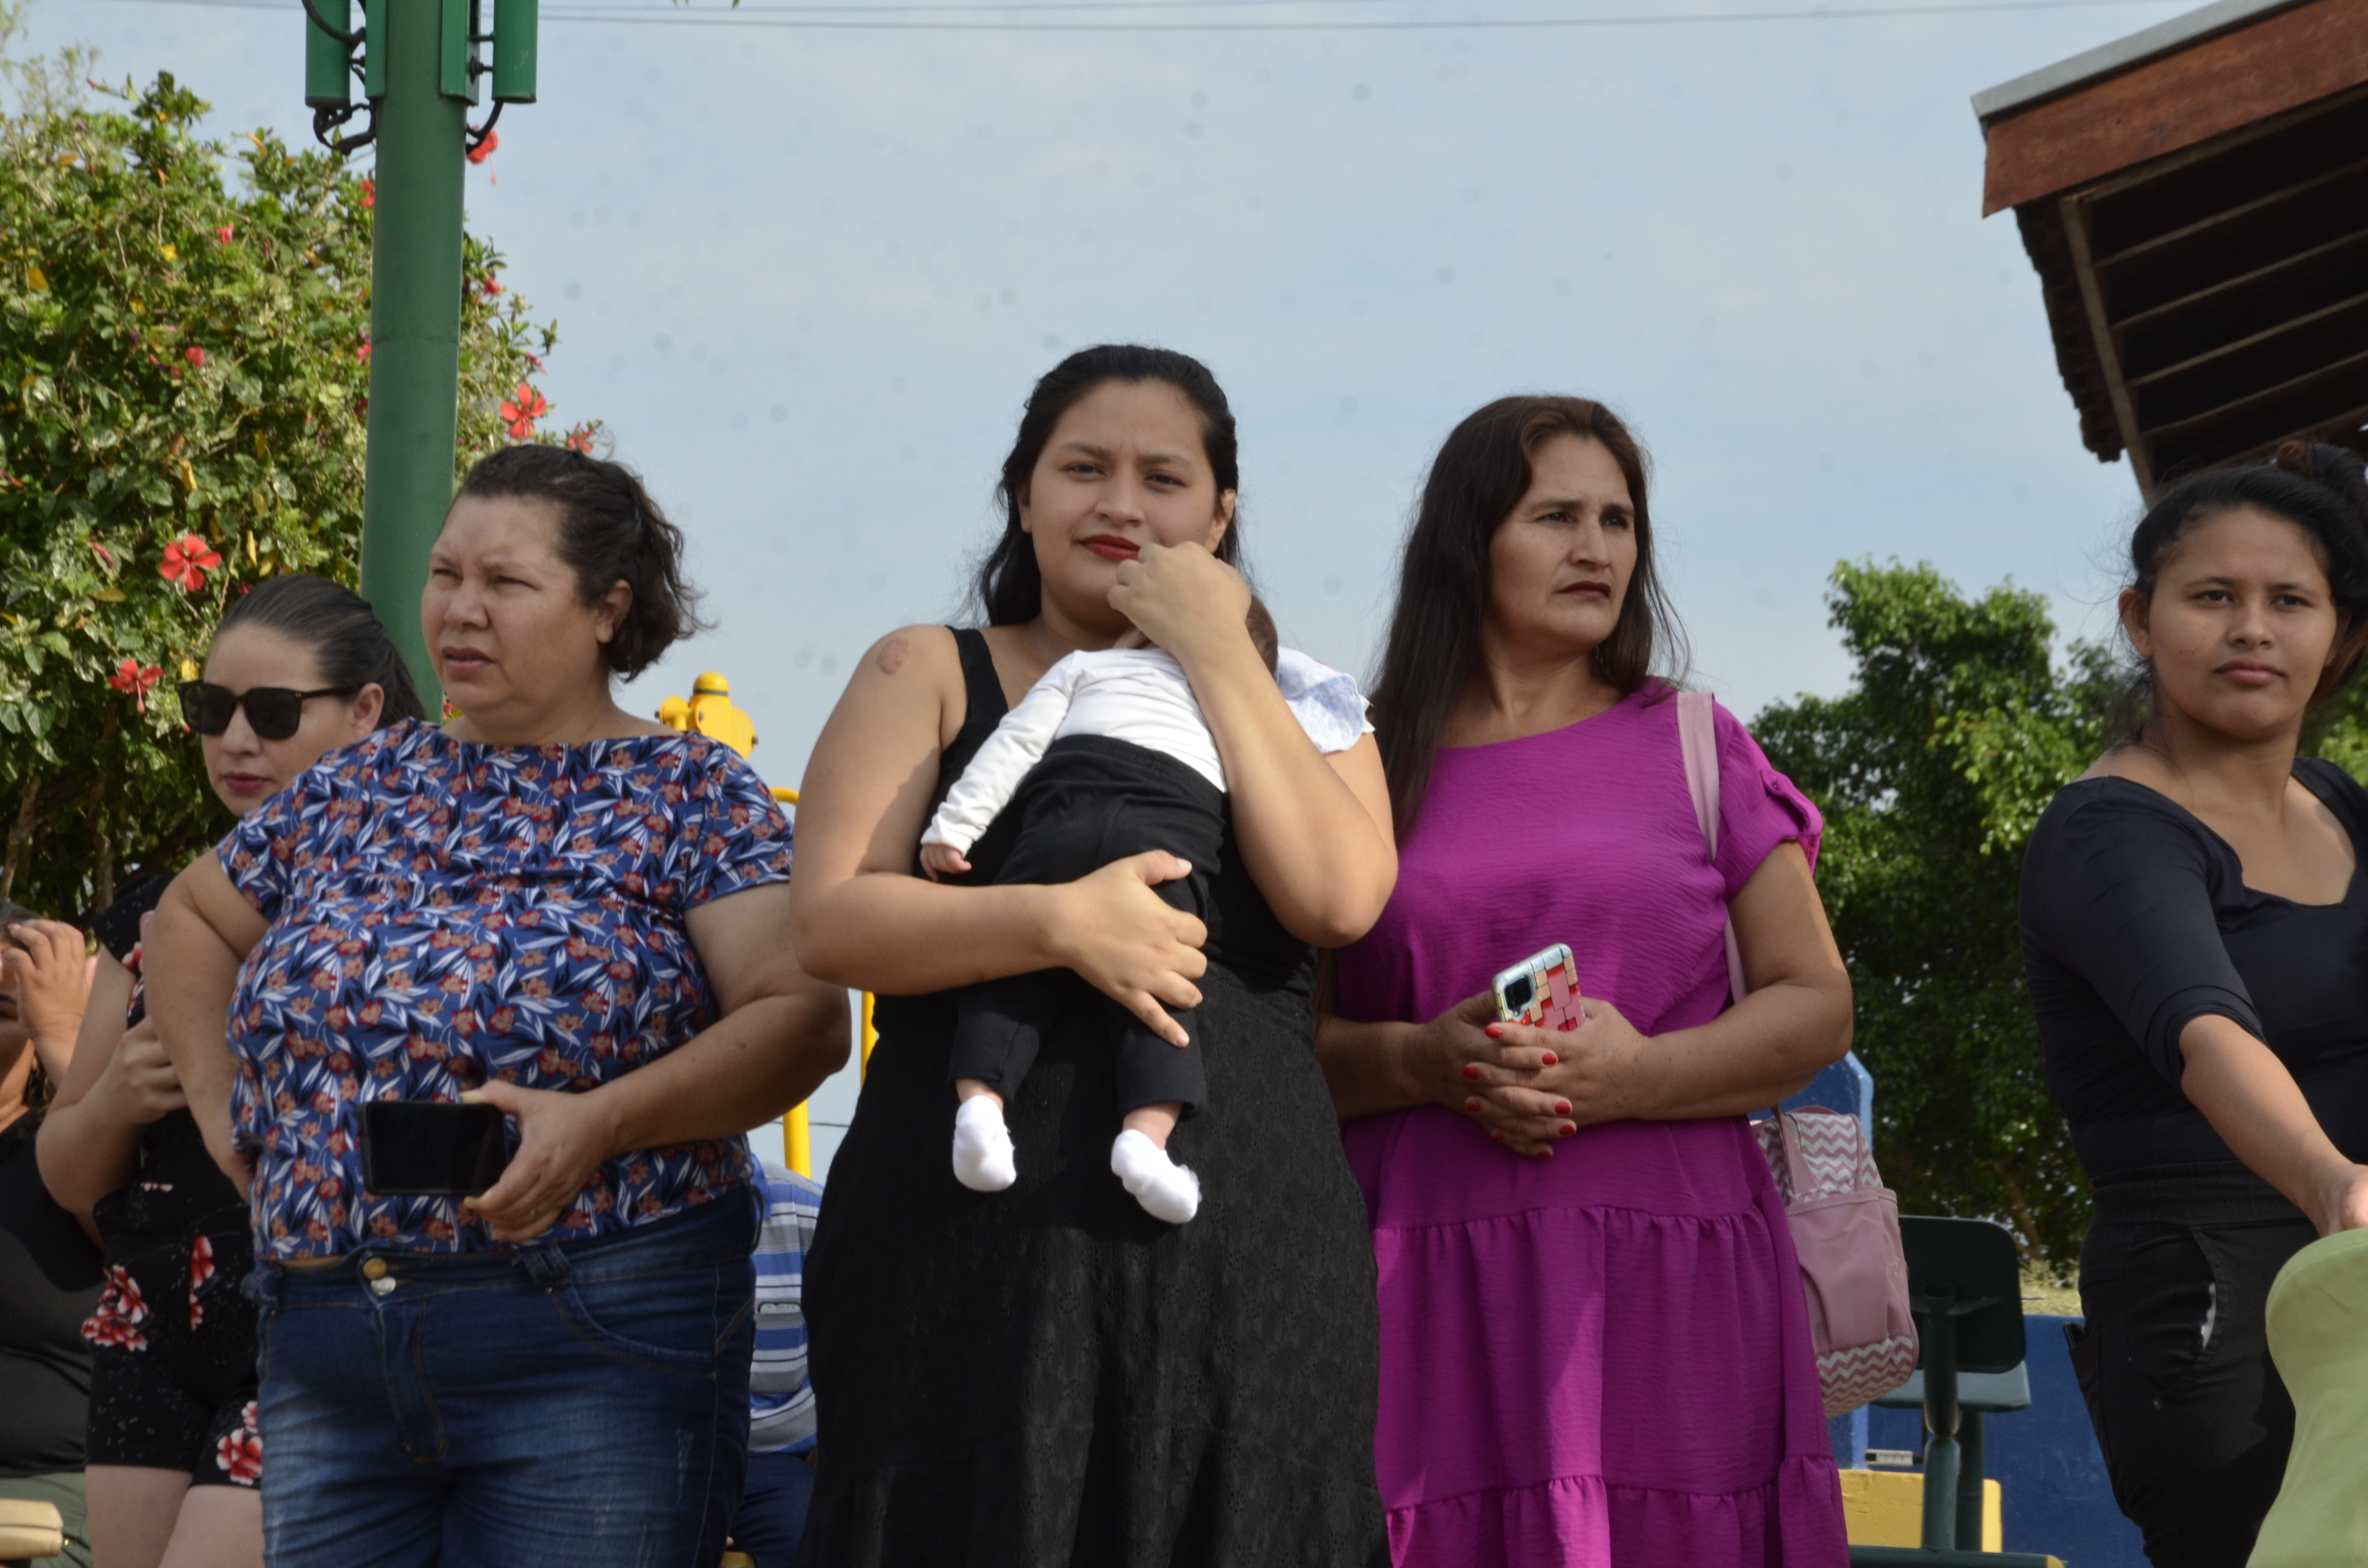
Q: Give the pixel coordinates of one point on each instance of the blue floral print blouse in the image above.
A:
(443, 912)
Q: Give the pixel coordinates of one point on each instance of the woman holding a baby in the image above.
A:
(1133, 1322)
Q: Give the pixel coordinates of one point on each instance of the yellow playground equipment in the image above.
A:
(712, 713)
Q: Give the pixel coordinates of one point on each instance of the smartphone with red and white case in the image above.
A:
(1542, 991)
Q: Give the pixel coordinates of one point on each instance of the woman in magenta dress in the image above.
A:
(1595, 1347)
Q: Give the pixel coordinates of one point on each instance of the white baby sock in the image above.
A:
(982, 1153)
(1165, 1189)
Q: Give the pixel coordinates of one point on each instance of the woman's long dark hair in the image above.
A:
(2314, 485)
(346, 639)
(1479, 475)
(1009, 589)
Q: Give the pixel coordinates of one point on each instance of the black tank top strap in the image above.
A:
(931, 1018)
(985, 709)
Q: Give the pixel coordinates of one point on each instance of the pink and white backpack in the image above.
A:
(1845, 1221)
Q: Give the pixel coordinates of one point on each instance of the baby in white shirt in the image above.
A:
(1107, 756)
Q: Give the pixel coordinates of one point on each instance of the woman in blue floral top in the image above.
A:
(581, 919)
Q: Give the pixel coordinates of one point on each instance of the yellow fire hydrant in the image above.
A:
(712, 713)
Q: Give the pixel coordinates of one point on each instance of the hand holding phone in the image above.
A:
(1541, 991)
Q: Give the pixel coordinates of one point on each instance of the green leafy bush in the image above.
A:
(184, 384)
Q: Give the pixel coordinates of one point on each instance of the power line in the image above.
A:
(828, 18)
(973, 7)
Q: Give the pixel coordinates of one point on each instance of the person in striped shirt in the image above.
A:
(780, 1477)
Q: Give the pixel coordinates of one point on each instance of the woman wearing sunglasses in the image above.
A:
(298, 667)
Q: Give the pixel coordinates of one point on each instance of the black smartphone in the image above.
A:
(430, 1149)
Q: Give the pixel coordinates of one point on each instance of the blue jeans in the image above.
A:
(773, 1508)
(562, 1404)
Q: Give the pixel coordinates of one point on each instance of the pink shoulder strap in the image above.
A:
(1697, 739)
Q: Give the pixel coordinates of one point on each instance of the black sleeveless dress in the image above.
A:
(1048, 1375)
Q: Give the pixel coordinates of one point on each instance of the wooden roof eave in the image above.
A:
(2129, 135)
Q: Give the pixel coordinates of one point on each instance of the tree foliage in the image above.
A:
(184, 384)
(1932, 769)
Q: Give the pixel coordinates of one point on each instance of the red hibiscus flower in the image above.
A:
(187, 561)
(195, 355)
(131, 676)
(524, 408)
(241, 1453)
(369, 193)
(580, 439)
(363, 353)
(120, 1313)
(104, 553)
(485, 149)
(223, 233)
(491, 286)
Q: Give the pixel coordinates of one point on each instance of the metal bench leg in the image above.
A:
(1970, 1499)
(1940, 1420)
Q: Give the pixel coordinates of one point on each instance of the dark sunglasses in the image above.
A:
(273, 712)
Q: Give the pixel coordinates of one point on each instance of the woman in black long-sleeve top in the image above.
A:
(2196, 940)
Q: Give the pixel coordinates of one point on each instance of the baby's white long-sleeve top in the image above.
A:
(1135, 695)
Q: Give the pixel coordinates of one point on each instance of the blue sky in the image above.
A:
(808, 276)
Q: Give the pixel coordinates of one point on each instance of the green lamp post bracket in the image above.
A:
(335, 52)
(420, 64)
(458, 67)
(330, 69)
(374, 60)
(515, 38)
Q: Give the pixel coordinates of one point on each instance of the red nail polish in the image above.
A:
(1472, 1105)
(1551, 1059)
(1497, 1031)
(1499, 1137)
(1472, 1069)
(1567, 1130)
(1562, 1108)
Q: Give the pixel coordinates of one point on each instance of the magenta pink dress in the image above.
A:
(1602, 1359)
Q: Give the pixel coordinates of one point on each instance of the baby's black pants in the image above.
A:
(1090, 801)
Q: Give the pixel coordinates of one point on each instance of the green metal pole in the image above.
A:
(415, 324)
